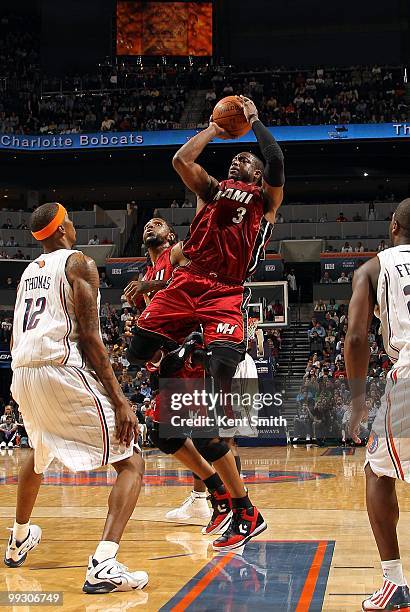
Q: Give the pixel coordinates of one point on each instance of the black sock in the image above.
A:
(213, 482)
(238, 464)
(241, 502)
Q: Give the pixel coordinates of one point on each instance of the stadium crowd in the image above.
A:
(324, 397)
(130, 96)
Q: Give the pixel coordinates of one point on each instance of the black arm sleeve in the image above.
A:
(274, 173)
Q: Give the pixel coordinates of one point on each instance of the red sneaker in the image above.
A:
(222, 512)
(246, 523)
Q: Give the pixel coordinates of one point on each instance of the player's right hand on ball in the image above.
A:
(249, 109)
(220, 132)
(126, 423)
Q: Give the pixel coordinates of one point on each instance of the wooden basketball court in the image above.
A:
(317, 554)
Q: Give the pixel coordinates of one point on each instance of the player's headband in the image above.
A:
(49, 229)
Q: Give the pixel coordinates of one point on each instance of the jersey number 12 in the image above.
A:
(31, 317)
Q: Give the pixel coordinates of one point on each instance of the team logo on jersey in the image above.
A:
(234, 194)
(41, 263)
(373, 443)
(225, 328)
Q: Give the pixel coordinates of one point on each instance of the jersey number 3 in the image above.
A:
(31, 318)
(241, 213)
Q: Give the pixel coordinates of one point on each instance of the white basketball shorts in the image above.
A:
(388, 449)
(245, 385)
(68, 416)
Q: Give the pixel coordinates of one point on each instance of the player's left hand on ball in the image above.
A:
(249, 108)
(220, 132)
(126, 423)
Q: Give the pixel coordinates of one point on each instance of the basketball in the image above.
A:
(229, 115)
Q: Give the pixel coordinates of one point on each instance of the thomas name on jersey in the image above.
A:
(37, 282)
(235, 194)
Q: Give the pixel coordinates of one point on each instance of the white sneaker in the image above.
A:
(110, 575)
(16, 554)
(194, 506)
(3, 445)
(10, 445)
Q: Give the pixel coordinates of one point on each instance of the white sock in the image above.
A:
(201, 494)
(393, 571)
(20, 532)
(105, 550)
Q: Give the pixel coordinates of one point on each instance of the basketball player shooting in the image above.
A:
(233, 223)
(384, 281)
(72, 404)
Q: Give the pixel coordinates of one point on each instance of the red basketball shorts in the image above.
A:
(191, 300)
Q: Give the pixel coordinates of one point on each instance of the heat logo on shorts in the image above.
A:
(373, 443)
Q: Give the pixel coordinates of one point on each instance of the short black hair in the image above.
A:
(402, 216)
(42, 216)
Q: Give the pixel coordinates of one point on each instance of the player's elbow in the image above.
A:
(177, 161)
(356, 340)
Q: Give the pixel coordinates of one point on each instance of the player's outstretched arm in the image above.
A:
(135, 290)
(274, 173)
(193, 175)
(83, 276)
(356, 349)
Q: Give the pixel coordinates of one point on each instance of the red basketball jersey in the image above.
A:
(162, 268)
(228, 236)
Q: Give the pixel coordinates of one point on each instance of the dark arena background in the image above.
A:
(96, 98)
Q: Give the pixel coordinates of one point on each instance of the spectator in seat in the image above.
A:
(104, 284)
(94, 241)
(347, 248)
(174, 204)
(323, 218)
(11, 242)
(341, 218)
(343, 278)
(381, 246)
(326, 280)
(18, 254)
(279, 218)
(186, 204)
(359, 248)
(7, 225)
(107, 124)
(8, 432)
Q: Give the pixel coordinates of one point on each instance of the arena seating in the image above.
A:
(128, 96)
(112, 229)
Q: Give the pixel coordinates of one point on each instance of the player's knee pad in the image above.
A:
(223, 361)
(169, 446)
(211, 449)
(144, 345)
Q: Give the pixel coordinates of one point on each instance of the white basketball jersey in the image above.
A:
(45, 327)
(393, 297)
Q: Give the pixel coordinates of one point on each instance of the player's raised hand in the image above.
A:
(126, 423)
(249, 109)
